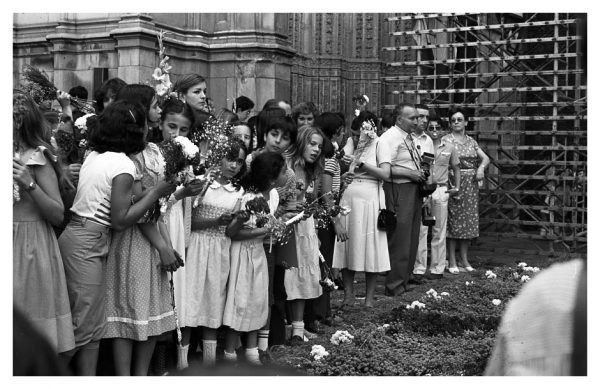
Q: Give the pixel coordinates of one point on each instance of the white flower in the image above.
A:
(341, 337)
(535, 269)
(521, 264)
(190, 150)
(515, 275)
(490, 274)
(344, 211)
(416, 304)
(431, 292)
(81, 123)
(318, 352)
(383, 327)
(496, 302)
(445, 294)
(525, 278)
(469, 283)
(158, 75)
(356, 112)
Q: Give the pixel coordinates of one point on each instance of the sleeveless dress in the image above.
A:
(302, 282)
(39, 283)
(138, 297)
(463, 213)
(207, 268)
(247, 302)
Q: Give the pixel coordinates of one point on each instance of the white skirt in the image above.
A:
(302, 282)
(366, 249)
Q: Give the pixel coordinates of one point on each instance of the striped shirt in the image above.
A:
(332, 168)
(94, 189)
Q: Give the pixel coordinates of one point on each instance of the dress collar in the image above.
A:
(228, 187)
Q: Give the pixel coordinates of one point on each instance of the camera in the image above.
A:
(426, 218)
(426, 162)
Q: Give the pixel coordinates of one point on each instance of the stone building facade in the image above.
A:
(326, 58)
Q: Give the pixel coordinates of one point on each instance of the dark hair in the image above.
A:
(329, 123)
(79, 92)
(227, 116)
(454, 110)
(138, 93)
(304, 108)
(286, 125)
(173, 105)
(422, 106)
(399, 108)
(361, 118)
(243, 103)
(271, 104)
(263, 121)
(187, 81)
(232, 154)
(265, 167)
(120, 128)
(110, 88)
(387, 120)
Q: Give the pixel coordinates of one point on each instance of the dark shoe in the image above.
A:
(339, 283)
(391, 293)
(314, 327)
(417, 279)
(432, 276)
(296, 341)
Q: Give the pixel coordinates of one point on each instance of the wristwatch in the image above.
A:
(32, 185)
(361, 163)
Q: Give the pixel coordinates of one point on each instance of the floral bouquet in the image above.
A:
(277, 228)
(16, 190)
(160, 75)
(71, 139)
(216, 138)
(368, 132)
(341, 337)
(180, 154)
(42, 89)
(326, 280)
(323, 212)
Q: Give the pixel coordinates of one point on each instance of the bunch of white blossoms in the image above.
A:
(490, 274)
(318, 352)
(496, 301)
(416, 304)
(432, 293)
(81, 123)
(525, 278)
(467, 283)
(190, 150)
(341, 337)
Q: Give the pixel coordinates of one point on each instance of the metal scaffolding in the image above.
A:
(522, 78)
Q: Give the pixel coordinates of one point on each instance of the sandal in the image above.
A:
(453, 270)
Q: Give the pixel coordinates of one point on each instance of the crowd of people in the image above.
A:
(93, 261)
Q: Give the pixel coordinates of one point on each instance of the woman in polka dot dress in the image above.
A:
(463, 210)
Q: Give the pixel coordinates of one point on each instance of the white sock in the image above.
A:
(209, 352)
(182, 354)
(252, 356)
(230, 356)
(298, 328)
(263, 339)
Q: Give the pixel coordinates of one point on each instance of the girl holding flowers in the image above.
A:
(247, 302)
(138, 294)
(360, 245)
(207, 267)
(39, 283)
(103, 203)
(302, 282)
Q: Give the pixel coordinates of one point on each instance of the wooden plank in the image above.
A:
(485, 59)
(486, 27)
(523, 235)
(425, 16)
(530, 223)
(528, 147)
(523, 192)
(533, 207)
(482, 43)
(484, 75)
(541, 162)
(491, 90)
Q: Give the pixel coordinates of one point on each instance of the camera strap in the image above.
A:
(391, 181)
(412, 151)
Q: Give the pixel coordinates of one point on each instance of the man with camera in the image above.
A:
(402, 196)
(425, 147)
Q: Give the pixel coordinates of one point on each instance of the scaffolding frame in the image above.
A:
(522, 78)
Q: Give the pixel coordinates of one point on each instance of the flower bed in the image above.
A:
(449, 330)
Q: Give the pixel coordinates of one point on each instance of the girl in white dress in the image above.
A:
(247, 302)
(207, 265)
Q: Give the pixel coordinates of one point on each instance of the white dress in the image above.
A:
(247, 304)
(366, 249)
(207, 267)
(302, 282)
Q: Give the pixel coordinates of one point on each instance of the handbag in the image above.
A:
(426, 189)
(386, 220)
